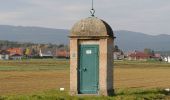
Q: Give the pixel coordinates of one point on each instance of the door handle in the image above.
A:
(84, 69)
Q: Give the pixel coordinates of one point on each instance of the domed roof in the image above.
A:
(93, 27)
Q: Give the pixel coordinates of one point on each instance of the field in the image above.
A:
(41, 79)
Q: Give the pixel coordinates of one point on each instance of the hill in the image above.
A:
(33, 34)
(126, 40)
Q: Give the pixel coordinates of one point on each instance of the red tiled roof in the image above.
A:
(140, 55)
(15, 51)
(62, 53)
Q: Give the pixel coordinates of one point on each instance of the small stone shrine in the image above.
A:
(91, 57)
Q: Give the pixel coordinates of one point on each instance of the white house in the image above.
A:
(16, 57)
(165, 59)
(45, 53)
(0, 57)
(4, 55)
(118, 56)
(168, 59)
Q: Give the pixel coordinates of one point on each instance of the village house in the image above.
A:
(16, 57)
(166, 59)
(62, 53)
(137, 55)
(118, 55)
(46, 53)
(14, 51)
(4, 55)
(50, 53)
(157, 56)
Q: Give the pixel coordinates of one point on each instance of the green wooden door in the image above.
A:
(88, 69)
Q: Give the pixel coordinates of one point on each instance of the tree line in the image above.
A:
(5, 44)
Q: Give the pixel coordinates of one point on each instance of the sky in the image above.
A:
(147, 16)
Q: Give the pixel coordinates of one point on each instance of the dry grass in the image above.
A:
(54, 76)
(142, 78)
(142, 75)
(12, 82)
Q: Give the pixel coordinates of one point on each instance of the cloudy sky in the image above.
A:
(148, 16)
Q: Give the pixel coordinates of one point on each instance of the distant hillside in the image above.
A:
(126, 40)
(33, 34)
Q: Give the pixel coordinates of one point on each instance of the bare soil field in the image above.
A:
(24, 77)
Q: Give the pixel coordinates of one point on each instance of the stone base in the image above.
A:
(103, 93)
(111, 92)
(107, 92)
(73, 93)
